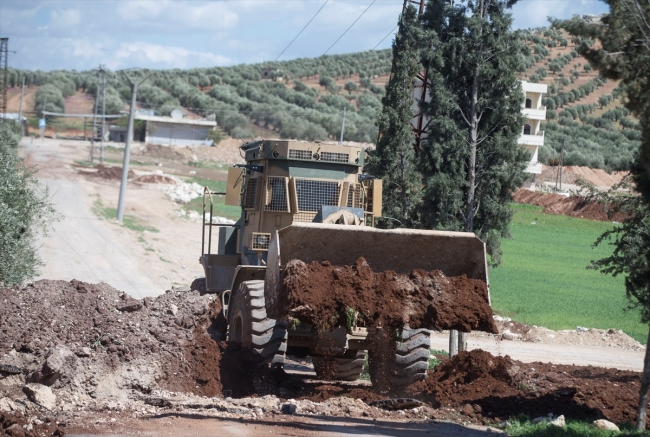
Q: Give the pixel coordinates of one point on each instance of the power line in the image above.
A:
(382, 40)
(312, 19)
(346, 30)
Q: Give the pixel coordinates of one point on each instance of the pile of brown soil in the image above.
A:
(321, 294)
(17, 425)
(572, 173)
(109, 344)
(111, 173)
(488, 389)
(572, 206)
(154, 179)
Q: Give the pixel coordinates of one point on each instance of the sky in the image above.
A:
(162, 34)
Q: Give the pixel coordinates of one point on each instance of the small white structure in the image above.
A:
(532, 137)
(175, 131)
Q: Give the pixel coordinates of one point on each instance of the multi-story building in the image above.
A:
(532, 136)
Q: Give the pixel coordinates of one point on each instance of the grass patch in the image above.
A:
(85, 163)
(164, 260)
(121, 161)
(220, 208)
(209, 165)
(128, 221)
(522, 427)
(434, 361)
(543, 279)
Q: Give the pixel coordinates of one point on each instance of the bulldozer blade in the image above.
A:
(400, 250)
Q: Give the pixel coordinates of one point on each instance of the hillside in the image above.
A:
(305, 98)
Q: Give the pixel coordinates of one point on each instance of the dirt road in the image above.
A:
(198, 425)
(555, 353)
(92, 252)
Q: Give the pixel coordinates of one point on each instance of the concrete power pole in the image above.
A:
(101, 150)
(127, 148)
(20, 107)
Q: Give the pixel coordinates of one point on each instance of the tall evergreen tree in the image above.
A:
(624, 54)
(471, 161)
(394, 159)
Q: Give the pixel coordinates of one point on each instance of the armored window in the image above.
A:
(276, 195)
(250, 195)
(354, 196)
(313, 194)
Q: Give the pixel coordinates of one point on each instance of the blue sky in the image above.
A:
(80, 34)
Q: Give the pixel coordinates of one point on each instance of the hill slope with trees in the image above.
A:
(305, 98)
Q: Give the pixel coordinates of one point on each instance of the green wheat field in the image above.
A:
(543, 279)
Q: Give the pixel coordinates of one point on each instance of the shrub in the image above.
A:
(25, 212)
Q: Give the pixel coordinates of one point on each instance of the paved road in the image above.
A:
(83, 247)
(556, 353)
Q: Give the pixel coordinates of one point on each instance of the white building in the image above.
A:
(532, 136)
(171, 131)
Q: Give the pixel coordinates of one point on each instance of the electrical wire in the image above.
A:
(346, 30)
(382, 40)
(312, 19)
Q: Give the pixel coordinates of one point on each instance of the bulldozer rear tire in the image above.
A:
(349, 368)
(409, 364)
(248, 324)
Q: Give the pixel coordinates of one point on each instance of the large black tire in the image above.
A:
(409, 364)
(199, 285)
(412, 356)
(347, 368)
(248, 324)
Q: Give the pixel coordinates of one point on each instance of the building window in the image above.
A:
(527, 129)
(529, 103)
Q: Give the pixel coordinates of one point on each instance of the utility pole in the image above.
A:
(342, 127)
(561, 162)
(4, 55)
(127, 148)
(20, 107)
(101, 150)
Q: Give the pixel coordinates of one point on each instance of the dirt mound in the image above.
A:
(489, 389)
(17, 425)
(572, 206)
(468, 377)
(111, 173)
(320, 293)
(572, 173)
(154, 179)
(94, 344)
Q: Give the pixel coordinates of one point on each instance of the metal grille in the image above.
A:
(299, 154)
(354, 196)
(260, 241)
(304, 217)
(250, 195)
(276, 194)
(313, 194)
(334, 157)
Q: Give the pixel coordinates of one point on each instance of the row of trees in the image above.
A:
(462, 175)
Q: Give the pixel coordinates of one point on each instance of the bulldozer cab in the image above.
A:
(282, 183)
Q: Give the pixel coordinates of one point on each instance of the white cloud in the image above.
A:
(138, 53)
(65, 19)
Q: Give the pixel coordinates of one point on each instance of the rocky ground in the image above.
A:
(80, 355)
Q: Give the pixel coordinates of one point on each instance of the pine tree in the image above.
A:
(471, 161)
(393, 161)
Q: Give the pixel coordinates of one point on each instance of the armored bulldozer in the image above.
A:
(310, 201)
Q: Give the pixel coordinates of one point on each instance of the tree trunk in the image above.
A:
(473, 143)
(643, 393)
(471, 162)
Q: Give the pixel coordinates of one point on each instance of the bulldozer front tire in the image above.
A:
(248, 324)
(348, 368)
